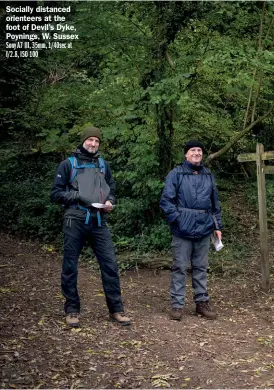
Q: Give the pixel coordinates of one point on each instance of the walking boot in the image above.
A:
(72, 320)
(205, 310)
(176, 313)
(120, 318)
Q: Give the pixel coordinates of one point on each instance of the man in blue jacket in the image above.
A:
(81, 182)
(190, 204)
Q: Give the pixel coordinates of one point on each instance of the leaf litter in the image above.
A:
(39, 351)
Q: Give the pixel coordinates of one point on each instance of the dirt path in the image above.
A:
(38, 351)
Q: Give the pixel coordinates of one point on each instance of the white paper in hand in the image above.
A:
(217, 243)
(98, 205)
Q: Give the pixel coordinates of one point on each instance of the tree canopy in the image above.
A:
(152, 75)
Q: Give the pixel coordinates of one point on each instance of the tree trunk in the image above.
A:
(170, 17)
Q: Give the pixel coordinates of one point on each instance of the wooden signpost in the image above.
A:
(260, 156)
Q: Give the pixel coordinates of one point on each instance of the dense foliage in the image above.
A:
(152, 75)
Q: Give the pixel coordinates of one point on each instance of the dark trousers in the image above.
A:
(76, 234)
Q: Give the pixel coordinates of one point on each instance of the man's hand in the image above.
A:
(218, 234)
(108, 206)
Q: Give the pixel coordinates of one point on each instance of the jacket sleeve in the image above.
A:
(216, 209)
(111, 183)
(59, 192)
(168, 201)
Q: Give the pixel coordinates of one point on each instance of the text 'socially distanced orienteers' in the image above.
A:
(31, 29)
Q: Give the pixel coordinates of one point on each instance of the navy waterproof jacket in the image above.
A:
(190, 201)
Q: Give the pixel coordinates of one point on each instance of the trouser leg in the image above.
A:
(181, 252)
(72, 249)
(104, 251)
(199, 269)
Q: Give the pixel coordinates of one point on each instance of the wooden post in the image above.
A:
(262, 217)
(260, 156)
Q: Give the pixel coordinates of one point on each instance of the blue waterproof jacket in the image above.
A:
(190, 201)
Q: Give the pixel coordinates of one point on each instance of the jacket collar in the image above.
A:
(192, 166)
(84, 155)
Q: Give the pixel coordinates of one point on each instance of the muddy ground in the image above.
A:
(38, 351)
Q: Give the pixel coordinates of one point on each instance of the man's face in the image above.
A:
(194, 155)
(91, 144)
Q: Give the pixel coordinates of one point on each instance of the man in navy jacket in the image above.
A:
(190, 204)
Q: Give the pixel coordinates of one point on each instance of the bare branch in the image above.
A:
(249, 98)
(254, 74)
(257, 96)
(238, 136)
(169, 60)
(260, 48)
(270, 27)
(261, 27)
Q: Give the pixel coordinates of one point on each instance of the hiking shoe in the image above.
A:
(120, 318)
(205, 310)
(72, 319)
(176, 313)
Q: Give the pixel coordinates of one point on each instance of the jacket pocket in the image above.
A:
(186, 222)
